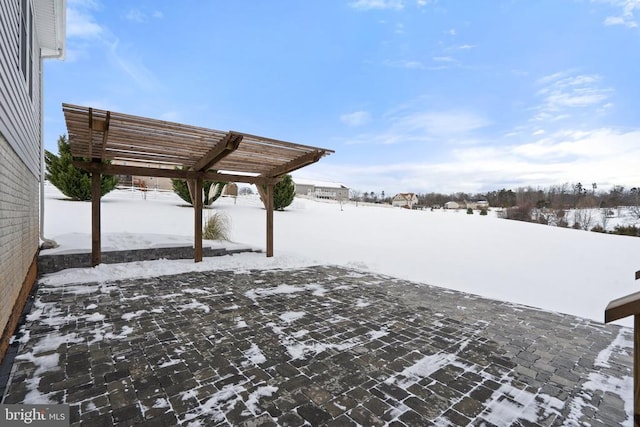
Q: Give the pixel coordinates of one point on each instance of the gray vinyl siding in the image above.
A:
(19, 113)
(19, 159)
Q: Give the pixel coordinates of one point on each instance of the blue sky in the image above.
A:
(413, 95)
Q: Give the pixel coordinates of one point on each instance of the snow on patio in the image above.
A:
(308, 350)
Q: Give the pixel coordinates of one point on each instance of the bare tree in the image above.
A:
(635, 206)
(605, 215)
(356, 195)
(583, 218)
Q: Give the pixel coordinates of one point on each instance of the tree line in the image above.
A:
(562, 196)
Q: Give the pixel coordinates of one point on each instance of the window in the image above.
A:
(26, 44)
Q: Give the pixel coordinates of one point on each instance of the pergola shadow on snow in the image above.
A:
(156, 148)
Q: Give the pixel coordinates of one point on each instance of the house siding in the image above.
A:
(337, 192)
(20, 160)
(18, 226)
(19, 112)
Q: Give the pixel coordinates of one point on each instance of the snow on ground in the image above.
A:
(558, 269)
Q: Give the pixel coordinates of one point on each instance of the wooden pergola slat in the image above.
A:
(132, 142)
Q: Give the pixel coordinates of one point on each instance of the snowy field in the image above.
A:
(564, 270)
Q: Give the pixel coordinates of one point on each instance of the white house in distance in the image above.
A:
(30, 31)
(404, 200)
(321, 189)
(451, 205)
(480, 204)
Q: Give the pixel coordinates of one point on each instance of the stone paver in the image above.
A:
(314, 346)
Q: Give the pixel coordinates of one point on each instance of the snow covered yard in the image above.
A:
(329, 328)
(564, 270)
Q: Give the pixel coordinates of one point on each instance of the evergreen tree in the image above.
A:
(181, 188)
(283, 193)
(73, 182)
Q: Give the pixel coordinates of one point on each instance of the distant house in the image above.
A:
(30, 31)
(404, 200)
(451, 205)
(321, 189)
(143, 182)
(230, 189)
(481, 204)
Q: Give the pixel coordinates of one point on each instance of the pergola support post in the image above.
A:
(636, 370)
(96, 179)
(269, 206)
(619, 309)
(197, 208)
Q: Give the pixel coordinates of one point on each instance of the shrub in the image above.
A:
(598, 229)
(483, 211)
(469, 211)
(519, 213)
(181, 188)
(283, 193)
(73, 182)
(216, 227)
(626, 230)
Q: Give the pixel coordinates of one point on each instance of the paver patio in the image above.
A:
(314, 346)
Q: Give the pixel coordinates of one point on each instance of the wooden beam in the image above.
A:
(222, 149)
(636, 370)
(96, 249)
(622, 307)
(262, 192)
(90, 132)
(191, 186)
(269, 206)
(619, 309)
(197, 208)
(170, 173)
(302, 161)
(105, 135)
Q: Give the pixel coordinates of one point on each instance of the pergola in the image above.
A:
(175, 150)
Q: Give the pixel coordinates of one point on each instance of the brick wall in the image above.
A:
(18, 227)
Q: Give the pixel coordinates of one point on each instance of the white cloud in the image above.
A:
(131, 66)
(136, 15)
(443, 59)
(409, 64)
(377, 4)
(91, 36)
(81, 24)
(627, 16)
(355, 119)
(172, 116)
(441, 123)
(442, 126)
(562, 93)
(605, 156)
